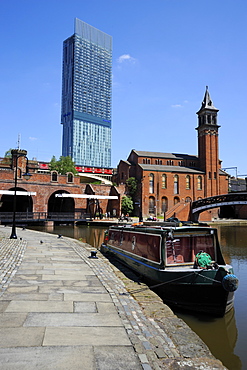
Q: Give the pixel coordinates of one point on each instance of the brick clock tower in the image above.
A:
(208, 147)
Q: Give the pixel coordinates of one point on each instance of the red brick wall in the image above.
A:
(43, 186)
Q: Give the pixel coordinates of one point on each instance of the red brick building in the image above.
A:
(169, 182)
(43, 186)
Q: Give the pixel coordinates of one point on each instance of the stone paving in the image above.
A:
(62, 309)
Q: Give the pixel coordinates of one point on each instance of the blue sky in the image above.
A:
(165, 52)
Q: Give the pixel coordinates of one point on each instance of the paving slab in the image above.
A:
(4, 304)
(72, 319)
(72, 289)
(12, 320)
(21, 337)
(86, 307)
(90, 297)
(23, 289)
(33, 296)
(66, 336)
(48, 358)
(103, 307)
(107, 357)
(62, 277)
(39, 306)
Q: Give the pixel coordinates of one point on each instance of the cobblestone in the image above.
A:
(11, 255)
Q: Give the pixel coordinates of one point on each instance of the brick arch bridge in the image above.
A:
(230, 205)
(39, 196)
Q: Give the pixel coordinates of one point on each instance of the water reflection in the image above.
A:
(87, 234)
(220, 335)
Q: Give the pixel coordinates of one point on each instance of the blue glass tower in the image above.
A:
(86, 96)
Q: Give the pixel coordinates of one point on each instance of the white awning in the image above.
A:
(86, 196)
(18, 192)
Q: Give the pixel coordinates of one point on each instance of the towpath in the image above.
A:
(61, 309)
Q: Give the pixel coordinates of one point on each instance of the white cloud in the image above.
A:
(177, 106)
(126, 58)
(32, 138)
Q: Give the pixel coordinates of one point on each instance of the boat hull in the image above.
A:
(181, 288)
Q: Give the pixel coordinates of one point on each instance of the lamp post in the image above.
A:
(16, 154)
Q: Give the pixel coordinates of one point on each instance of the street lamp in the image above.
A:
(16, 154)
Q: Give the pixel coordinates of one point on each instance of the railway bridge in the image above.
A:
(231, 205)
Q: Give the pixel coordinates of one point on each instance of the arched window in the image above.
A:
(164, 181)
(176, 184)
(151, 183)
(188, 199)
(164, 204)
(70, 177)
(199, 183)
(151, 206)
(187, 179)
(54, 176)
(176, 200)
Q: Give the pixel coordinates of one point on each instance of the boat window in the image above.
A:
(183, 249)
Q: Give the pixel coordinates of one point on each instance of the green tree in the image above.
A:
(8, 153)
(53, 164)
(126, 205)
(131, 186)
(63, 165)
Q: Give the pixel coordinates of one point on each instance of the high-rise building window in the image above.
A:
(86, 96)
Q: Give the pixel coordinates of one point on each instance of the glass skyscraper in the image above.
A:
(86, 96)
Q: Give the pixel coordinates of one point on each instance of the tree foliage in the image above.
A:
(126, 205)
(63, 165)
(132, 186)
(8, 153)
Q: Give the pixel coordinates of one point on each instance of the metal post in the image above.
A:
(16, 154)
(13, 233)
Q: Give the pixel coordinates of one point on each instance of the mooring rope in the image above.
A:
(157, 285)
(169, 282)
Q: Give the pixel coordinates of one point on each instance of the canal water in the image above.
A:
(226, 337)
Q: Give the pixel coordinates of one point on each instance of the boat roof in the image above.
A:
(162, 227)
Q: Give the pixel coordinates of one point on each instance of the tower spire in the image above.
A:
(207, 101)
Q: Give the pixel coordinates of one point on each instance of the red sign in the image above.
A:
(44, 166)
(108, 171)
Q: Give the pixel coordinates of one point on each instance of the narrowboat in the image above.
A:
(185, 262)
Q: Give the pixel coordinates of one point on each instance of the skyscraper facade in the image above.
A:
(86, 96)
